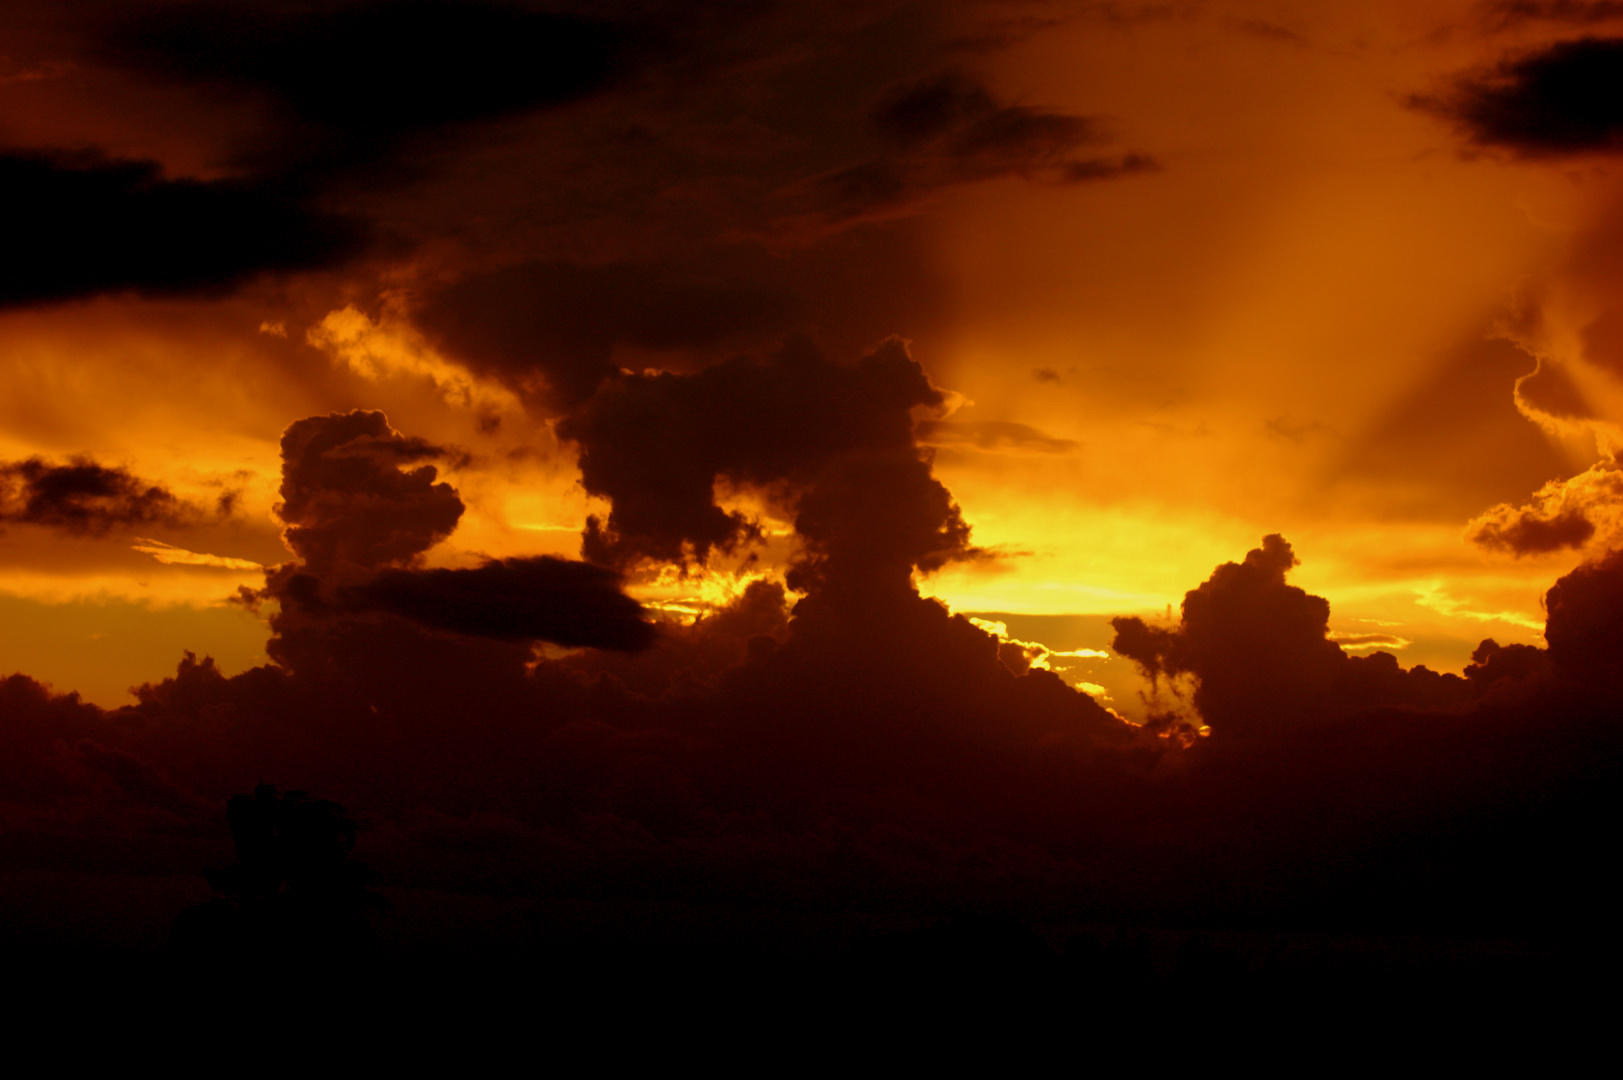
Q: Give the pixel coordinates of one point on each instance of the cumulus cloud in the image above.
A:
(1524, 531)
(833, 441)
(352, 492)
(782, 758)
(754, 757)
(1582, 627)
(1562, 514)
(81, 496)
(1261, 654)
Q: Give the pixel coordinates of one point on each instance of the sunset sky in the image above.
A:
(1233, 278)
(323, 322)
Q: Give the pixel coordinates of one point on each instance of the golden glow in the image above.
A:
(1206, 354)
(686, 597)
(391, 348)
(170, 555)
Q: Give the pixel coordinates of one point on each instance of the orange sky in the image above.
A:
(1308, 317)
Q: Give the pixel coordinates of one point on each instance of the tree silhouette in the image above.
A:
(294, 895)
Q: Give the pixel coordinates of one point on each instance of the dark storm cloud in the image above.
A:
(563, 320)
(84, 224)
(353, 493)
(655, 444)
(82, 496)
(519, 599)
(369, 73)
(1566, 98)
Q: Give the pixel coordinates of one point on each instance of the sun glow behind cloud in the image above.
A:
(1127, 365)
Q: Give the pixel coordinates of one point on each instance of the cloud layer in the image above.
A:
(81, 496)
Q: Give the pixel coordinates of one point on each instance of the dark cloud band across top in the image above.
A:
(83, 224)
(340, 88)
(375, 70)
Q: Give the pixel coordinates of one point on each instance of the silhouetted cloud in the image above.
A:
(519, 599)
(1565, 98)
(834, 441)
(1491, 662)
(82, 496)
(1566, 513)
(835, 742)
(346, 496)
(892, 761)
(89, 224)
(1583, 625)
(1526, 533)
(1261, 654)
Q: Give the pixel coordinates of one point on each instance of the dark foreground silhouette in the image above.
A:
(294, 894)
